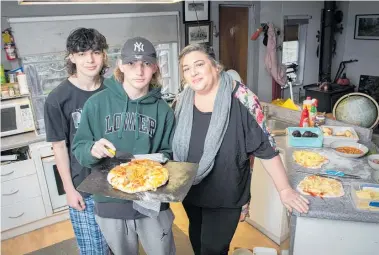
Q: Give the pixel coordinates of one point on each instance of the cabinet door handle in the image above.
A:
(11, 172)
(14, 217)
(14, 192)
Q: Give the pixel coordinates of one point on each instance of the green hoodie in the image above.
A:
(140, 126)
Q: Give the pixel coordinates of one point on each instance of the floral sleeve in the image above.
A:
(251, 102)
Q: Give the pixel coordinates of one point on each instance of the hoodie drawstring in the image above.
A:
(137, 121)
(123, 116)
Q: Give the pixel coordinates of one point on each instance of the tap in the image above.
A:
(266, 111)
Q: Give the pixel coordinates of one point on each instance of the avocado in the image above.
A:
(307, 134)
(296, 133)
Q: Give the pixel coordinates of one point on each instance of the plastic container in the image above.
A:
(362, 204)
(264, 251)
(328, 140)
(23, 84)
(370, 160)
(319, 120)
(314, 142)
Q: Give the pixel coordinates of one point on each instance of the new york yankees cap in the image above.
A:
(138, 48)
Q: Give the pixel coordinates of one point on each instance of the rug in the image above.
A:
(69, 247)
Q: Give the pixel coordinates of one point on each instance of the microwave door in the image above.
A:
(9, 120)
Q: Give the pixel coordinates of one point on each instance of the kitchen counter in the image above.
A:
(331, 208)
(20, 140)
(352, 231)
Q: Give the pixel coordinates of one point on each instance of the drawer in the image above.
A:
(22, 213)
(17, 170)
(19, 189)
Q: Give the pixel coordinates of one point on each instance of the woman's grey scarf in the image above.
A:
(217, 126)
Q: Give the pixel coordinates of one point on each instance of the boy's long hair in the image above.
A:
(155, 80)
(82, 40)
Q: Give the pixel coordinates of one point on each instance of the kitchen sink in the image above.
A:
(275, 124)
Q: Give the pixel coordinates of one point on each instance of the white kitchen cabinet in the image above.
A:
(22, 213)
(19, 189)
(267, 212)
(17, 169)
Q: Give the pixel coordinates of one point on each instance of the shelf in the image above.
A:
(9, 98)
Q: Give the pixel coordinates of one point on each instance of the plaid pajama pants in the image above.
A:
(88, 235)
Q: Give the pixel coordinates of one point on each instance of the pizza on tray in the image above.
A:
(309, 159)
(318, 186)
(138, 175)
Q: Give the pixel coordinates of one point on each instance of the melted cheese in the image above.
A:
(308, 158)
(320, 186)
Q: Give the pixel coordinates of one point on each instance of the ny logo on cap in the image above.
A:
(138, 46)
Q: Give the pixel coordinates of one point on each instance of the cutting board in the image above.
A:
(181, 177)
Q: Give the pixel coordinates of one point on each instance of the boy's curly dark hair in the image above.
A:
(84, 39)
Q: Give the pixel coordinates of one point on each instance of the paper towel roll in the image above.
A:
(23, 84)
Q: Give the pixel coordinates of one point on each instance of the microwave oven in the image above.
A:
(16, 116)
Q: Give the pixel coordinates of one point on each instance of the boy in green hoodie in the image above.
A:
(129, 115)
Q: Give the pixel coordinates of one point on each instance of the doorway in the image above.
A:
(234, 38)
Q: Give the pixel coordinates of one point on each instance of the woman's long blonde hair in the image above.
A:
(156, 80)
(204, 48)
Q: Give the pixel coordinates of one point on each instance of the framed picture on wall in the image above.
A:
(366, 27)
(196, 11)
(198, 33)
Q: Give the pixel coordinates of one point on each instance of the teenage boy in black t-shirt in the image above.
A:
(86, 63)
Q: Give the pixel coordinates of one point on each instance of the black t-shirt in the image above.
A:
(62, 114)
(228, 184)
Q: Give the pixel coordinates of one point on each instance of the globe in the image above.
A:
(357, 109)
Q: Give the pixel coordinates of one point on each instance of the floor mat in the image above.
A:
(69, 247)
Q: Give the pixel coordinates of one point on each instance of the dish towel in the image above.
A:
(149, 208)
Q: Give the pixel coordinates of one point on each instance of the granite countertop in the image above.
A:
(20, 140)
(331, 208)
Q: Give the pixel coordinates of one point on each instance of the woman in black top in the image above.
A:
(220, 124)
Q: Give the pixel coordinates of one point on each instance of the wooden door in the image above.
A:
(234, 38)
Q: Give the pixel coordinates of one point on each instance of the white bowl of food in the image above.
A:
(349, 149)
(373, 161)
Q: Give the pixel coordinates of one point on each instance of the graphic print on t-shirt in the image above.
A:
(76, 115)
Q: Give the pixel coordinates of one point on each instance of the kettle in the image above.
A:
(343, 80)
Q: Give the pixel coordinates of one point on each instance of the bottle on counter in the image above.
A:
(313, 113)
(307, 103)
(304, 120)
(3, 79)
(11, 91)
(16, 88)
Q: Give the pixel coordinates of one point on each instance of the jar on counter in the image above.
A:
(320, 120)
(4, 92)
(16, 88)
(11, 92)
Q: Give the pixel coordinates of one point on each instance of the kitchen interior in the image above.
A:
(329, 64)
